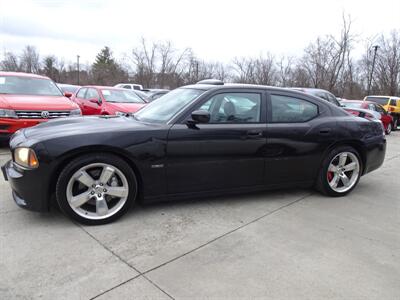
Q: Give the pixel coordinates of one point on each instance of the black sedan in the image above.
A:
(198, 140)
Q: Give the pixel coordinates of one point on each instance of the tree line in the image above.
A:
(327, 63)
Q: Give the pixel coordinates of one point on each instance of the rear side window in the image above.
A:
(81, 93)
(288, 109)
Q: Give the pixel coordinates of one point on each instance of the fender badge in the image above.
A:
(157, 166)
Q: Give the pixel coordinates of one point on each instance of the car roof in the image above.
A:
(22, 74)
(305, 89)
(361, 101)
(234, 85)
(380, 96)
(101, 87)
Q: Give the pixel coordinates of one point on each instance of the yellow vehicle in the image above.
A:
(391, 104)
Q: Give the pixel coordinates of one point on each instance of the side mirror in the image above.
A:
(68, 94)
(95, 100)
(201, 116)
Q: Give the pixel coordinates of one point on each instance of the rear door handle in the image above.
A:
(325, 131)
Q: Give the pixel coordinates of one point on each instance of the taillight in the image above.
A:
(369, 117)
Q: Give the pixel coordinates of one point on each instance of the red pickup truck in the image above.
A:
(29, 99)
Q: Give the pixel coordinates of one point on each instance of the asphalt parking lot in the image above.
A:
(293, 244)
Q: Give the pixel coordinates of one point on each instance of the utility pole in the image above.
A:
(372, 70)
(77, 64)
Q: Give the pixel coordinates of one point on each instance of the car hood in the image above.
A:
(126, 107)
(29, 102)
(81, 126)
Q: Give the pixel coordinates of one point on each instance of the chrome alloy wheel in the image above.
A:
(343, 172)
(97, 191)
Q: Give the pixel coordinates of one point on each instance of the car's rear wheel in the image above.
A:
(96, 189)
(395, 123)
(388, 129)
(340, 172)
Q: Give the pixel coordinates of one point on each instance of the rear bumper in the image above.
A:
(9, 126)
(27, 186)
(375, 156)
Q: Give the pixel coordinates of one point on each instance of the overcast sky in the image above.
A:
(215, 30)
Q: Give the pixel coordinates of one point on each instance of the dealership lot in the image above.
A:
(280, 244)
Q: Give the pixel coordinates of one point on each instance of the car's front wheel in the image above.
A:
(340, 172)
(96, 189)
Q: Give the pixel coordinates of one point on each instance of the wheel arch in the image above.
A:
(357, 145)
(93, 149)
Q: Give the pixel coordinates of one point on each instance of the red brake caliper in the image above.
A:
(330, 176)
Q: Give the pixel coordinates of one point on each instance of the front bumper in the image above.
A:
(8, 125)
(27, 186)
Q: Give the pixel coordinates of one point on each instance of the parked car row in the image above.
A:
(28, 99)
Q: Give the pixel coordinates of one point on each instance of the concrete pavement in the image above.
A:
(293, 244)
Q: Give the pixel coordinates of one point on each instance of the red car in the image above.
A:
(29, 99)
(385, 117)
(106, 100)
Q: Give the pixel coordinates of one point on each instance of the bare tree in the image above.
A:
(10, 62)
(30, 60)
(49, 67)
(325, 60)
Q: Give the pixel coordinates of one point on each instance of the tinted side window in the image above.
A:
(234, 108)
(81, 93)
(127, 87)
(380, 109)
(288, 109)
(393, 102)
(332, 99)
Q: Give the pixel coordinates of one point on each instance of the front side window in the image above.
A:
(81, 93)
(92, 94)
(127, 87)
(21, 85)
(393, 102)
(234, 108)
(165, 108)
(288, 109)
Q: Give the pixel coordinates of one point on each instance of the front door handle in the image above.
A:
(254, 133)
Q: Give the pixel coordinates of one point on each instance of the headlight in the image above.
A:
(7, 113)
(75, 112)
(122, 114)
(26, 157)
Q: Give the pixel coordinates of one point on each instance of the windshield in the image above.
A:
(379, 100)
(165, 108)
(121, 96)
(21, 85)
(352, 104)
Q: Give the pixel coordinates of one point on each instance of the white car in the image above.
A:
(130, 86)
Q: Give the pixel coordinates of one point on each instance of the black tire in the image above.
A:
(322, 184)
(388, 129)
(395, 123)
(87, 159)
